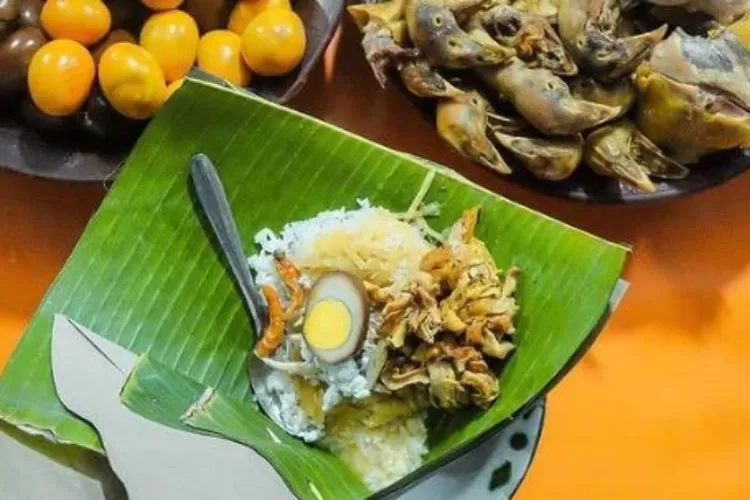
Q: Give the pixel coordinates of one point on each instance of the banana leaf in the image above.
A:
(145, 273)
(182, 403)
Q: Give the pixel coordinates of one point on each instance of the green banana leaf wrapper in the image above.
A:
(146, 275)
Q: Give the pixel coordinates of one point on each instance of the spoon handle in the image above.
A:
(213, 200)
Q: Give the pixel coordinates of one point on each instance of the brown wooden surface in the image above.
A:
(659, 408)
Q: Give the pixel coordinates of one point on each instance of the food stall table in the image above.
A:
(658, 408)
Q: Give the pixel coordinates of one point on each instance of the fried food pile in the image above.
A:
(635, 89)
(444, 331)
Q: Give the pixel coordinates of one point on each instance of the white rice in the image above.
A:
(382, 455)
(346, 379)
(276, 393)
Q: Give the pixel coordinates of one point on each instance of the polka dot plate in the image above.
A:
(492, 471)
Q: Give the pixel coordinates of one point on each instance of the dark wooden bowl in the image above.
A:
(74, 157)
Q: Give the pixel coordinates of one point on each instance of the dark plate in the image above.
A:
(78, 158)
(398, 488)
(584, 185)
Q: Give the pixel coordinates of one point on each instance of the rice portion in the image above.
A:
(275, 391)
(375, 245)
(381, 455)
(346, 379)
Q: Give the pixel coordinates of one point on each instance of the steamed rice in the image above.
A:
(373, 244)
(381, 455)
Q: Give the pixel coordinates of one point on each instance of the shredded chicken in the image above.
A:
(484, 387)
(425, 321)
(415, 312)
(445, 326)
(440, 264)
(462, 356)
(377, 295)
(492, 347)
(395, 320)
(396, 376)
(445, 390)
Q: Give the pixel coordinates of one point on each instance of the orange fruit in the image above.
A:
(247, 10)
(172, 38)
(174, 87)
(115, 36)
(132, 80)
(273, 44)
(85, 21)
(60, 77)
(220, 54)
(162, 4)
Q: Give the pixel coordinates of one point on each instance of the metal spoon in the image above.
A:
(213, 200)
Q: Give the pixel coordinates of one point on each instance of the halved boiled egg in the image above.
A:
(336, 317)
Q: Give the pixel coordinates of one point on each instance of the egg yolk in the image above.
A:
(327, 324)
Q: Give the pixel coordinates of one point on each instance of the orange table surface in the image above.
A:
(660, 406)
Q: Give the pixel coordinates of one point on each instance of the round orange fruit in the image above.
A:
(172, 38)
(174, 87)
(132, 80)
(273, 44)
(162, 4)
(60, 77)
(220, 53)
(245, 11)
(84, 21)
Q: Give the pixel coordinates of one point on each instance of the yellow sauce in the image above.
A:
(327, 324)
